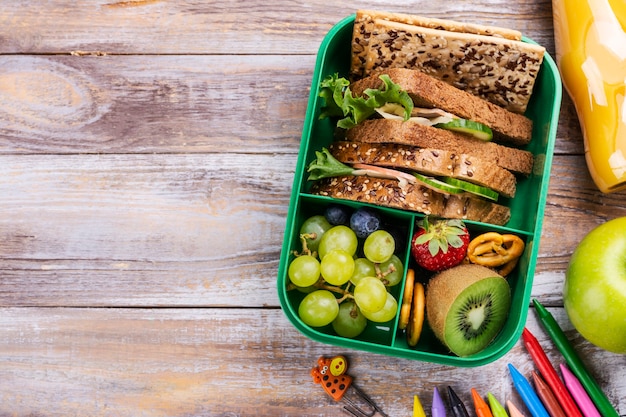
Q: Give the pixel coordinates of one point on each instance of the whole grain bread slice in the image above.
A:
(412, 197)
(364, 22)
(518, 161)
(431, 162)
(499, 70)
(427, 91)
(409, 133)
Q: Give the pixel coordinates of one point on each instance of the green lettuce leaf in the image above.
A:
(326, 166)
(332, 90)
(339, 101)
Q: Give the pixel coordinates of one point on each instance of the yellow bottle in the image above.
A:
(590, 38)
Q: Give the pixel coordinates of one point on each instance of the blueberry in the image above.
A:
(337, 214)
(365, 221)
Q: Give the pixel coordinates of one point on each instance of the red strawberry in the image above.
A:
(440, 244)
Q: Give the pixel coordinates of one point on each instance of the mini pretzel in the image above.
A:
(494, 250)
(507, 267)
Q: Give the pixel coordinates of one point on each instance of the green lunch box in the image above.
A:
(527, 210)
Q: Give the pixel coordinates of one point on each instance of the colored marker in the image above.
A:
(579, 393)
(481, 407)
(549, 374)
(573, 361)
(528, 395)
(497, 409)
(438, 408)
(456, 405)
(513, 410)
(547, 397)
(418, 410)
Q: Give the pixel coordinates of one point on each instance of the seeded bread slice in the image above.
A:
(412, 197)
(410, 133)
(427, 91)
(364, 26)
(500, 70)
(431, 162)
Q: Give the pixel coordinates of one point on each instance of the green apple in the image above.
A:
(595, 286)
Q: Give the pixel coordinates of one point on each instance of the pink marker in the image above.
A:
(513, 411)
(578, 393)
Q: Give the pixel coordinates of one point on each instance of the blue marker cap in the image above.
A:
(525, 390)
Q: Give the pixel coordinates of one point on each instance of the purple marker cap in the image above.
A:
(438, 408)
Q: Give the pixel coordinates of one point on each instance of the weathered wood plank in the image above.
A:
(223, 27)
(138, 104)
(147, 151)
(194, 229)
(69, 104)
(194, 223)
(574, 207)
(218, 362)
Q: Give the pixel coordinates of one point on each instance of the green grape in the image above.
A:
(388, 312)
(304, 271)
(318, 308)
(350, 322)
(392, 278)
(337, 267)
(370, 294)
(379, 246)
(363, 267)
(306, 290)
(315, 224)
(338, 237)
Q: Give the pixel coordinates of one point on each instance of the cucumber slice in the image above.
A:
(469, 127)
(472, 188)
(438, 185)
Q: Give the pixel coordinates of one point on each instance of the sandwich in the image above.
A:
(429, 92)
(429, 163)
(431, 118)
(407, 140)
(399, 189)
(490, 62)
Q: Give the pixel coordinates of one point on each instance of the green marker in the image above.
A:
(573, 361)
(496, 408)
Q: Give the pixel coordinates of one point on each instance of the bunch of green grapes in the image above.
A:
(347, 283)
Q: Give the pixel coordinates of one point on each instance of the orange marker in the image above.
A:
(482, 409)
(513, 411)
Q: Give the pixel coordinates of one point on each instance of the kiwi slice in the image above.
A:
(467, 306)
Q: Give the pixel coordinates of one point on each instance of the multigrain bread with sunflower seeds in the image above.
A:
(496, 68)
(364, 26)
(427, 91)
(429, 162)
(412, 197)
(518, 161)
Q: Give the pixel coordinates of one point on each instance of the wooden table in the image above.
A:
(147, 151)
